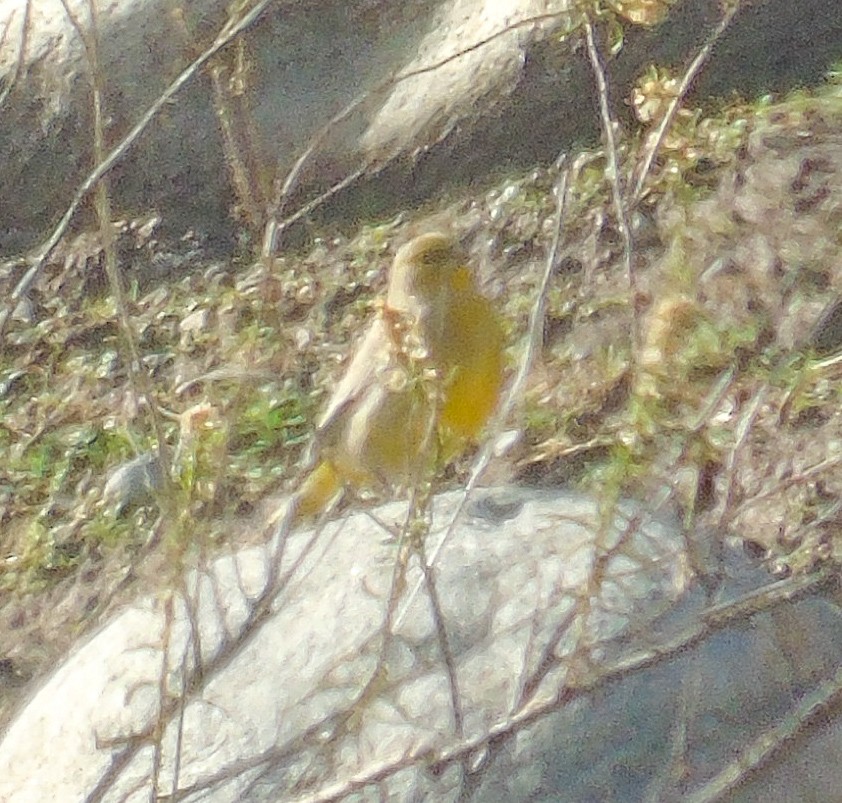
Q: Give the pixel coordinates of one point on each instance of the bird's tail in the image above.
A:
(317, 491)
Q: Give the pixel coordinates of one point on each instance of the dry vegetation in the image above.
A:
(684, 352)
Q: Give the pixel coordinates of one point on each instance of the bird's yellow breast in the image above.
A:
(470, 361)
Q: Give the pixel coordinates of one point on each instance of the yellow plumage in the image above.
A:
(421, 385)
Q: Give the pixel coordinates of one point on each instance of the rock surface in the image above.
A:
(552, 624)
(514, 97)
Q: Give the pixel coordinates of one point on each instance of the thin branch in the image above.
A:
(242, 178)
(444, 643)
(275, 228)
(795, 479)
(118, 153)
(744, 428)
(24, 35)
(760, 749)
(614, 176)
(138, 377)
(654, 145)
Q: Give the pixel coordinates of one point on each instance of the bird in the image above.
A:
(420, 387)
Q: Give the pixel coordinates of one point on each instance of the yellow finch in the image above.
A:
(420, 387)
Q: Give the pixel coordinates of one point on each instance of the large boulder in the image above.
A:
(517, 95)
(576, 657)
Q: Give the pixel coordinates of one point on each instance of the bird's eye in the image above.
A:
(434, 257)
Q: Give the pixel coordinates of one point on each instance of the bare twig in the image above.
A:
(138, 377)
(243, 177)
(116, 155)
(798, 478)
(690, 75)
(444, 642)
(275, 228)
(24, 35)
(743, 430)
(614, 175)
(759, 750)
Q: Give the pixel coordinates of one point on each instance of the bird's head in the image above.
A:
(426, 268)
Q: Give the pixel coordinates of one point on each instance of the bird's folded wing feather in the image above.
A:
(373, 356)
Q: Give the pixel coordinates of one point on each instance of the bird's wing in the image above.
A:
(370, 359)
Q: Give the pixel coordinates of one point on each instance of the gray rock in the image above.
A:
(133, 483)
(553, 622)
(280, 707)
(516, 97)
